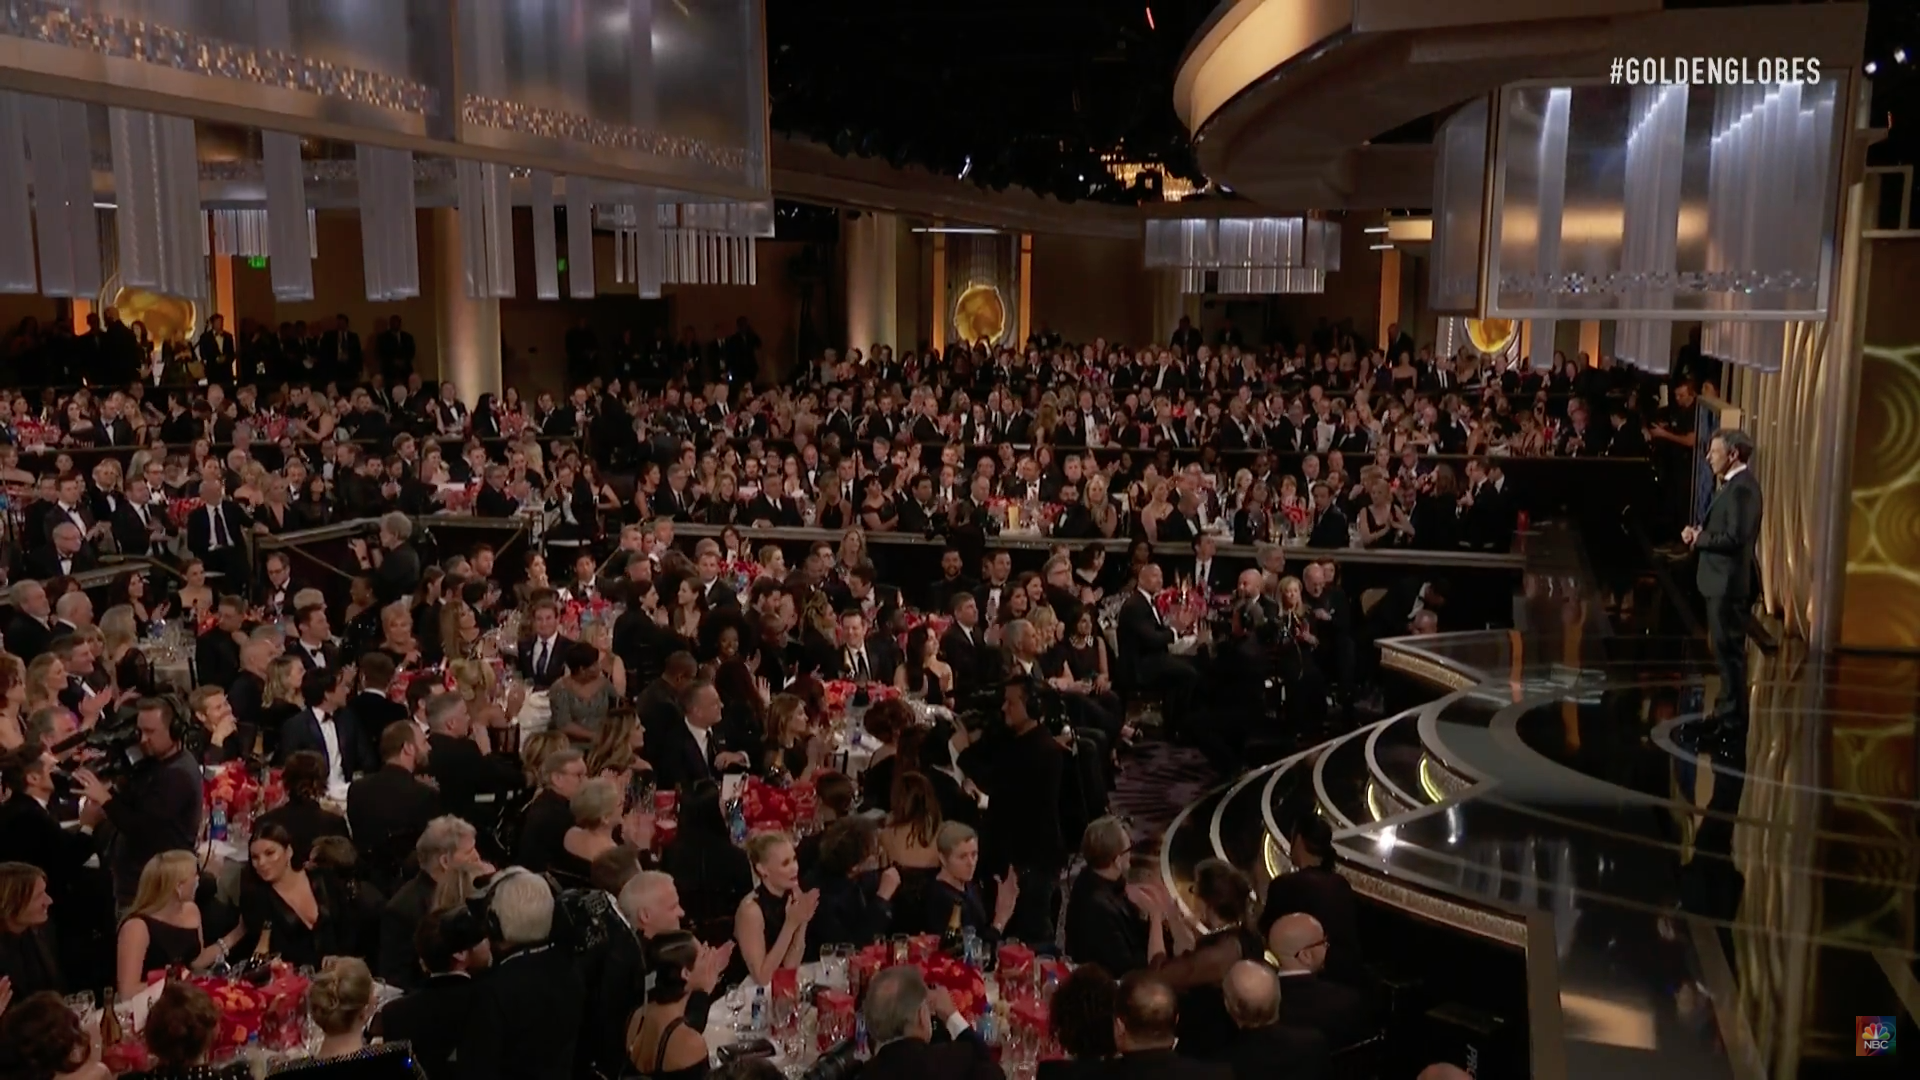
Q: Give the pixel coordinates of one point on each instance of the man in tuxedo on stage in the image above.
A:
(1724, 542)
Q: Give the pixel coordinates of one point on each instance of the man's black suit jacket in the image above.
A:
(970, 658)
(1326, 896)
(494, 503)
(45, 563)
(130, 534)
(1336, 1011)
(200, 530)
(1727, 537)
(555, 666)
(29, 834)
(399, 962)
(965, 1058)
(371, 713)
(27, 637)
(388, 809)
(1277, 1052)
(1143, 638)
(216, 658)
(676, 757)
(302, 732)
(543, 831)
(1332, 530)
(1165, 1065)
(525, 1020)
(464, 773)
(433, 1018)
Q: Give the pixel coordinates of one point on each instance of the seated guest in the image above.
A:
(953, 899)
(446, 845)
(922, 671)
(525, 1020)
(1339, 1012)
(1146, 639)
(370, 708)
(1263, 1047)
(543, 831)
(661, 1044)
(790, 747)
(856, 902)
(28, 963)
(452, 947)
(302, 815)
(836, 793)
(227, 739)
(1080, 1018)
(581, 701)
(323, 727)
(29, 834)
(596, 821)
(651, 904)
(460, 757)
(162, 931)
(340, 1001)
(1104, 926)
(695, 750)
(41, 1039)
(1146, 1023)
(389, 808)
(885, 722)
(1316, 888)
(179, 1035)
(770, 925)
(299, 915)
(900, 1012)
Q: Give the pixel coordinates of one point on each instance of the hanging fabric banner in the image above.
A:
(156, 182)
(546, 257)
(62, 174)
(580, 280)
(17, 271)
(389, 236)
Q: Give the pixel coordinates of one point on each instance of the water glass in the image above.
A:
(897, 948)
(81, 1004)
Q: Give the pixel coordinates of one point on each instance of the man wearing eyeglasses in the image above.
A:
(1338, 1012)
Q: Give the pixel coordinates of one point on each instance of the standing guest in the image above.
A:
(1315, 887)
(900, 1012)
(158, 807)
(543, 830)
(1145, 1029)
(447, 845)
(770, 925)
(393, 562)
(27, 961)
(341, 1003)
(179, 1034)
(1263, 1047)
(452, 946)
(371, 709)
(1020, 766)
(163, 930)
(711, 873)
(525, 1020)
(1146, 642)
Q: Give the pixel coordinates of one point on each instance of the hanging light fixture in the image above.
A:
(1264, 256)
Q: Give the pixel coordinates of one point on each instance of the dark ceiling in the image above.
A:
(1010, 92)
(1033, 92)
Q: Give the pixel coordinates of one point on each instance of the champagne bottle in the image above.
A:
(950, 938)
(111, 1033)
(264, 947)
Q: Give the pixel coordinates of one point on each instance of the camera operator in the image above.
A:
(156, 807)
(394, 565)
(1020, 764)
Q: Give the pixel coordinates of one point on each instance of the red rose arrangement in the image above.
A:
(237, 790)
(571, 616)
(839, 692)
(962, 983)
(179, 510)
(272, 425)
(771, 808)
(276, 1011)
(397, 689)
(459, 498)
(1296, 514)
(34, 435)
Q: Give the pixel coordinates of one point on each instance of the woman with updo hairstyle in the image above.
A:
(885, 721)
(341, 1002)
(41, 1039)
(770, 925)
(179, 1034)
(659, 1043)
(1223, 901)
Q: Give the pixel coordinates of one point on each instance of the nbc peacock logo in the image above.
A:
(1873, 1036)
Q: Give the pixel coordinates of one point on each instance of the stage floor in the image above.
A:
(1690, 915)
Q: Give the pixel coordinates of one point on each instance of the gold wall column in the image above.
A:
(873, 280)
(940, 292)
(1590, 341)
(469, 329)
(223, 300)
(1389, 294)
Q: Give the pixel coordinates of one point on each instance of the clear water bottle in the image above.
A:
(860, 1049)
(758, 1021)
(736, 821)
(259, 1064)
(985, 1028)
(217, 824)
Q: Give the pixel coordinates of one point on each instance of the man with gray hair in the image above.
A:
(394, 564)
(29, 632)
(68, 554)
(543, 830)
(525, 1020)
(1264, 1048)
(900, 1012)
(446, 845)
(75, 609)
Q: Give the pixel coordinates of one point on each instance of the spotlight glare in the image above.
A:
(1872, 67)
(1899, 56)
(966, 167)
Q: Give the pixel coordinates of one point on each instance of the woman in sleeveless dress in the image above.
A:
(770, 924)
(162, 930)
(659, 1043)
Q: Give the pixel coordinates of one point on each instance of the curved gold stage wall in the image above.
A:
(1883, 538)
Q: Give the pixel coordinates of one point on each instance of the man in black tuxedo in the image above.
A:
(694, 750)
(461, 761)
(215, 534)
(453, 947)
(1206, 573)
(69, 554)
(877, 602)
(136, 520)
(543, 659)
(389, 808)
(82, 895)
(396, 351)
(1314, 887)
(550, 814)
(216, 351)
(312, 644)
(1330, 526)
(445, 845)
(325, 728)
(70, 506)
(1262, 1047)
(1336, 1011)
(525, 1020)
(216, 654)
(1725, 541)
(30, 630)
(864, 658)
(1145, 639)
(340, 354)
(493, 501)
(715, 592)
(1145, 1024)
(900, 1013)
(953, 580)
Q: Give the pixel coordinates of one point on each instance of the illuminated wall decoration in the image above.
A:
(1883, 539)
(983, 274)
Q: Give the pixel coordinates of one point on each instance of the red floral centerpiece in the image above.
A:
(236, 790)
(575, 611)
(458, 498)
(397, 689)
(839, 693)
(962, 983)
(1295, 513)
(743, 573)
(179, 510)
(275, 1011)
(771, 808)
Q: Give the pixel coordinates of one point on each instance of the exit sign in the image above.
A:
(563, 264)
(257, 262)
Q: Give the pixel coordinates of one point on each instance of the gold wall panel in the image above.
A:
(1882, 608)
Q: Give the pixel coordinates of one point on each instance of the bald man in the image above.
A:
(1263, 1048)
(1146, 1016)
(1338, 1012)
(1443, 1071)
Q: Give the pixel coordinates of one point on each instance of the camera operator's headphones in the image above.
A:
(180, 722)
